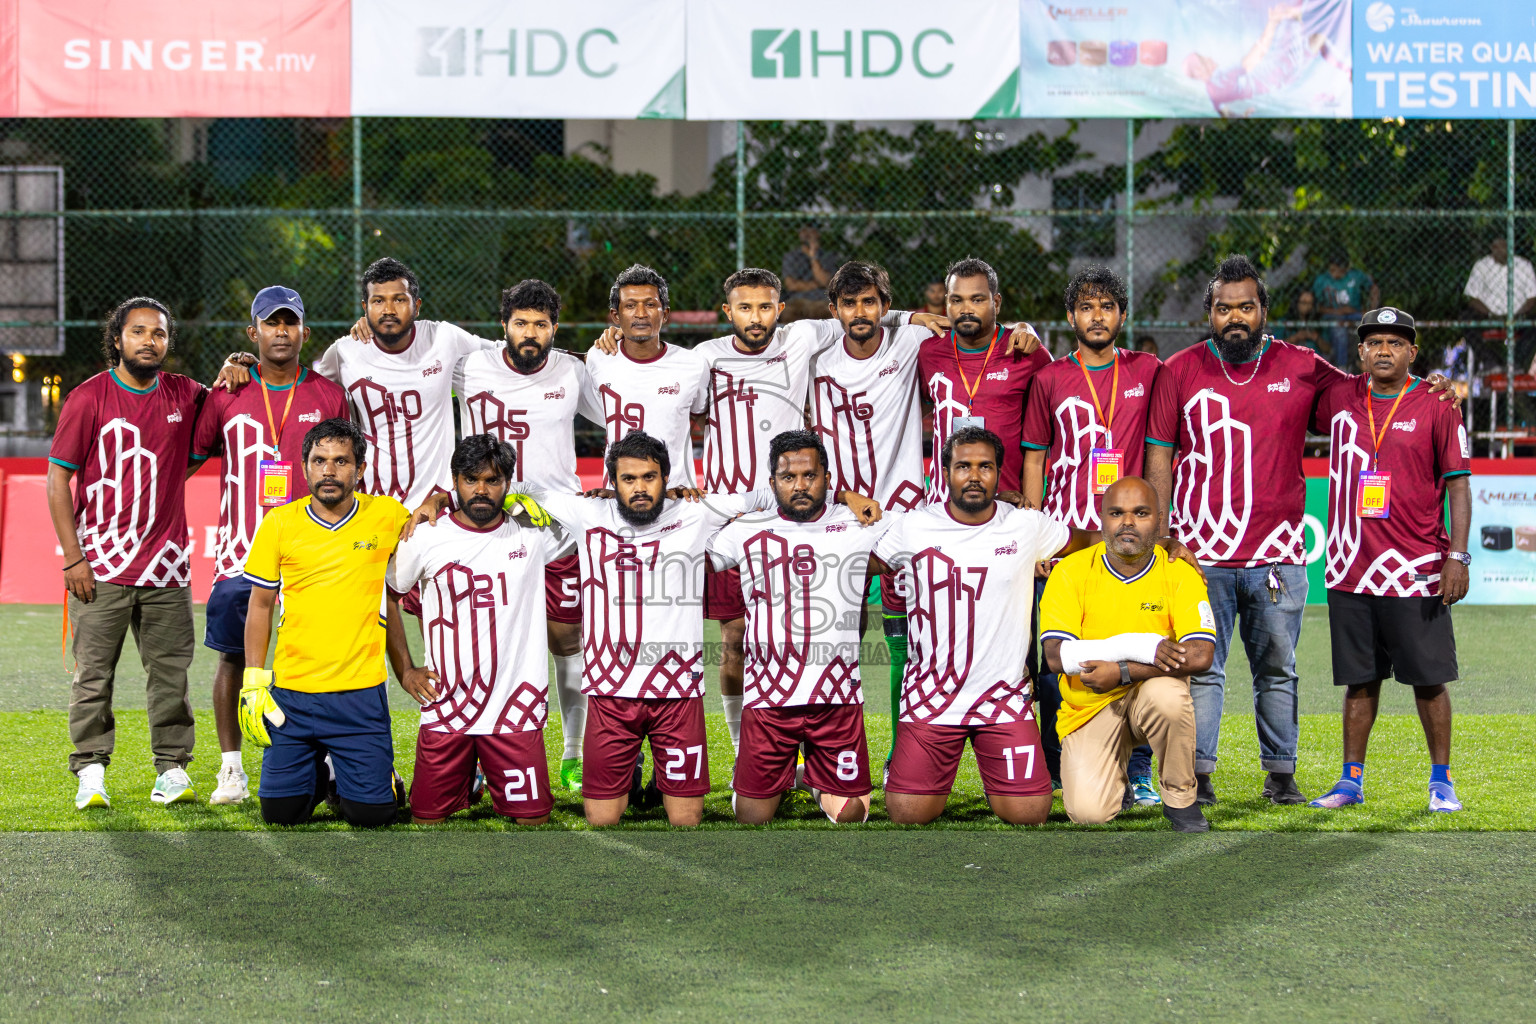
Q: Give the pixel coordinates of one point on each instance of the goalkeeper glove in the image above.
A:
(533, 509)
(256, 703)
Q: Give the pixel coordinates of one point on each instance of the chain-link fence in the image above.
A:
(201, 214)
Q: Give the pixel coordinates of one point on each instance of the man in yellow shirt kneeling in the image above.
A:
(1126, 628)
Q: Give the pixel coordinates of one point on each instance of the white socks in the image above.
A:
(232, 758)
(573, 704)
(732, 708)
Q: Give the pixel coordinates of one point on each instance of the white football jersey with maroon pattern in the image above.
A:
(642, 590)
(403, 401)
(654, 395)
(970, 597)
(804, 585)
(535, 412)
(869, 416)
(482, 599)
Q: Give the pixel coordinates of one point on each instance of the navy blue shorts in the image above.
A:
(350, 725)
(225, 627)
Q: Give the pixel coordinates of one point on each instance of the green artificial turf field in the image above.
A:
(197, 913)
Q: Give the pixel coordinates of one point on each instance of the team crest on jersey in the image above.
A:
(371, 544)
(1151, 606)
(436, 367)
(310, 417)
(1282, 387)
(671, 526)
(521, 552)
(1011, 548)
(893, 368)
(998, 374)
(174, 417)
(774, 359)
(555, 395)
(668, 389)
(837, 527)
(1136, 392)
(1406, 425)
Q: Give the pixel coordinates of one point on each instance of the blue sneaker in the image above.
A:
(1143, 793)
(1442, 797)
(1341, 795)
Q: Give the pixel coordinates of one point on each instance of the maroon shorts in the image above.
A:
(722, 595)
(516, 773)
(892, 603)
(411, 602)
(836, 754)
(562, 590)
(1009, 755)
(615, 728)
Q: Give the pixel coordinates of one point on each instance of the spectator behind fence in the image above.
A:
(1147, 343)
(1341, 296)
(934, 299)
(806, 271)
(1487, 294)
(1305, 309)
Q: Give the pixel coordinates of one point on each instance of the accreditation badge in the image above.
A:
(1104, 466)
(1375, 495)
(273, 477)
(961, 422)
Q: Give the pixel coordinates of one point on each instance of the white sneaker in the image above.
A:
(93, 788)
(172, 787)
(233, 787)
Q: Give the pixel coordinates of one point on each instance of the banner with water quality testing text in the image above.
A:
(1445, 59)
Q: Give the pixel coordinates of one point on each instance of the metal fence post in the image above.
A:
(357, 207)
(1130, 229)
(1509, 295)
(741, 194)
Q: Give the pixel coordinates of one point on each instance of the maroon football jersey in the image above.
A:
(1063, 420)
(1238, 433)
(130, 450)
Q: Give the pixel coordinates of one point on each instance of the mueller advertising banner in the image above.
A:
(1186, 58)
(1445, 59)
(852, 59)
(493, 58)
(226, 58)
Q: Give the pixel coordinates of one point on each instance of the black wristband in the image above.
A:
(71, 565)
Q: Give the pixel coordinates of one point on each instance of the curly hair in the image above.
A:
(112, 327)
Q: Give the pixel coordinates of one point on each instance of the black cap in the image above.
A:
(1387, 318)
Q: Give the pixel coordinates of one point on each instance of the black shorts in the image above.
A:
(1406, 638)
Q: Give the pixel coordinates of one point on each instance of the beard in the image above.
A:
(642, 516)
(862, 330)
(1097, 346)
(970, 326)
(525, 363)
(803, 515)
(144, 367)
(972, 501)
(751, 342)
(335, 493)
(481, 511)
(391, 331)
(1237, 345)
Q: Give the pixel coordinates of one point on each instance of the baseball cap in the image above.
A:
(273, 298)
(1387, 318)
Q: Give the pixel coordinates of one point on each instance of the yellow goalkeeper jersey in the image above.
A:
(330, 583)
(1086, 599)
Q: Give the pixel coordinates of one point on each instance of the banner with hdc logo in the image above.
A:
(493, 58)
(1445, 58)
(853, 59)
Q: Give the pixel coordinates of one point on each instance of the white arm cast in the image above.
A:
(1138, 647)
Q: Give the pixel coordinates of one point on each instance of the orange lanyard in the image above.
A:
(1114, 396)
(1370, 415)
(970, 389)
(277, 431)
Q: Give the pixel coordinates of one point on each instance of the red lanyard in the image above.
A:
(1114, 396)
(1370, 415)
(277, 431)
(970, 389)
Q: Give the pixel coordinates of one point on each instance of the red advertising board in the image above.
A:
(149, 58)
(8, 48)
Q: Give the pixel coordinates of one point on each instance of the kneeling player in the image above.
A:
(804, 572)
(484, 690)
(969, 568)
(325, 694)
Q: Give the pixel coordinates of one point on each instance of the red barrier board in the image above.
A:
(9, 45)
(148, 58)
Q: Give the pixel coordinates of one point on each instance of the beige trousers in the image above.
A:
(1156, 711)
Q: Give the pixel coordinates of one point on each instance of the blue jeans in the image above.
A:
(1269, 630)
